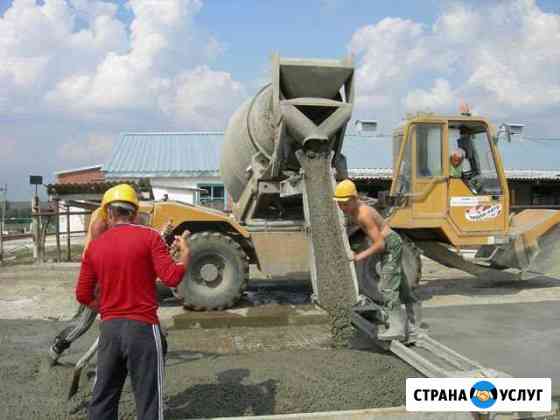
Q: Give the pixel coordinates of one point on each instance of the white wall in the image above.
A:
(77, 221)
(180, 189)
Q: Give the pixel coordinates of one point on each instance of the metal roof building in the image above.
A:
(155, 154)
(194, 154)
(524, 159)
(176, 162)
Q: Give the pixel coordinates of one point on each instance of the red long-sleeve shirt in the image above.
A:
(124, 263)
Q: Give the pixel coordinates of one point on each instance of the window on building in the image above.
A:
(212, 195)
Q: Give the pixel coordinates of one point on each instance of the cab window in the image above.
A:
(403, 179)
(428, 150)
(478, 168)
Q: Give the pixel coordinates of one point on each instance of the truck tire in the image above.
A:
(217, 273)
(367, 272)
(411, 262)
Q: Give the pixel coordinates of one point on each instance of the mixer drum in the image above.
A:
(249, 131)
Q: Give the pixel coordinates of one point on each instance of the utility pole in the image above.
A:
(35, 212)
(3, 221)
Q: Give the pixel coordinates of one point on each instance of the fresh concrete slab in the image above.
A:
(521, 339)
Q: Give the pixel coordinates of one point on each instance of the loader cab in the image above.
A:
(448, 180)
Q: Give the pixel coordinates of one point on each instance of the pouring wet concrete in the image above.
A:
(335, 277)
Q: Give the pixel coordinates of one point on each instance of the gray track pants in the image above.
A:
(135, 348)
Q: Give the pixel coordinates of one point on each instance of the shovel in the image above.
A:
(79, 367)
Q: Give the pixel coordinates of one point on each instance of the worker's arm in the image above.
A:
(96, 227)
(169, 272)
(87, 282)
(367, 223)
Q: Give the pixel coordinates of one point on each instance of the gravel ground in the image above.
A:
(336, 288)
(35, 293)
(202, 384)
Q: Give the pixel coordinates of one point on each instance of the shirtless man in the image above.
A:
(387, 243)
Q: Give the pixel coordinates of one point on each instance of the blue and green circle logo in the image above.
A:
(483, 394)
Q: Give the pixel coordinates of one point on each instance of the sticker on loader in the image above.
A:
(469, 201)
(476, 214)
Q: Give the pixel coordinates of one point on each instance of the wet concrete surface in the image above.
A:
(258, 373)
(520, 339)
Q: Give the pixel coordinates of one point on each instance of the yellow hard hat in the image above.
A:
(345, 190)
(120, 193)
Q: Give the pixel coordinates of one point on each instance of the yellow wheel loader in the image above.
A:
(450, 194)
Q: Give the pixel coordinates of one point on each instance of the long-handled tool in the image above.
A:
(79, 367)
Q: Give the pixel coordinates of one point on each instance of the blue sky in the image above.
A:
(76, 73)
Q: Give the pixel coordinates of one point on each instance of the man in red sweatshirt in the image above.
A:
(123, 263)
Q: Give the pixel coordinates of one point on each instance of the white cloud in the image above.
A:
(439, 98)
(387, 50)
(94, 149)
(72, 69)
(503, 59)
(193, 97)
(78, 58)
(158, 53)
(39, 44)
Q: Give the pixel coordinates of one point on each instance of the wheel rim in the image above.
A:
(209, 270)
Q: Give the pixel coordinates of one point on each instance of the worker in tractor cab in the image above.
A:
(118, 279)
(384, 241)
(464, 142)
(456, 163)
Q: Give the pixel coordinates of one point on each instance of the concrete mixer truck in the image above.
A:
(298, 121)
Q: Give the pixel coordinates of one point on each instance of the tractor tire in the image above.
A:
(367, 272)
(411, 262)
(217, 275)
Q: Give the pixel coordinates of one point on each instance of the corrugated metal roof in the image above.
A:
(373, 173)
(531, 154)
(532, 174)
(371, 157)
(159, 154)
(387, 173)
(194, 154)
(365, 151)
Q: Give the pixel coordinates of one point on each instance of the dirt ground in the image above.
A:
(46, 293)
(221, 372)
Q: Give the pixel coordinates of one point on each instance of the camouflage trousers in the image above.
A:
(393, 284)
